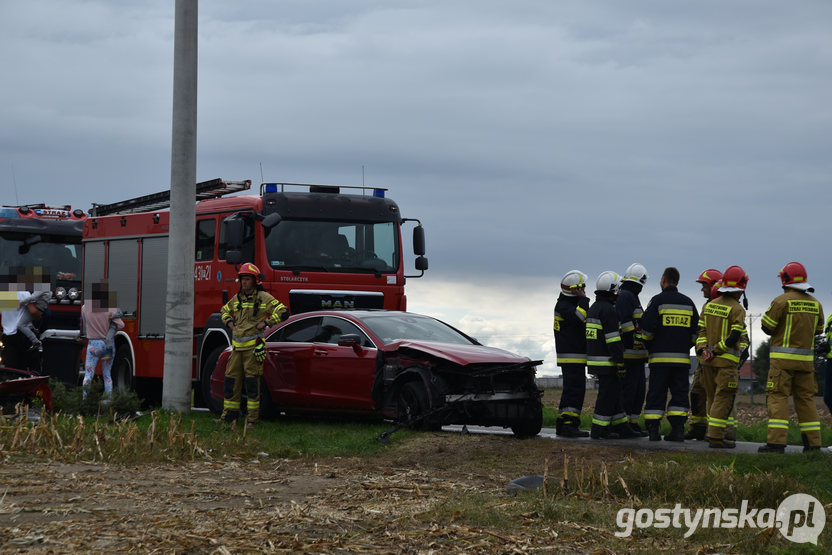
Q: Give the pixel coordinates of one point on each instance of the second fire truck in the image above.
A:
(40, 246)
(318, 247)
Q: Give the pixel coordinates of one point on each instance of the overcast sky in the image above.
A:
(530, 137)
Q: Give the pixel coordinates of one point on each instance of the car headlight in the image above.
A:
(60, 293)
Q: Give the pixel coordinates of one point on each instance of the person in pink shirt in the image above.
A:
(101, 319)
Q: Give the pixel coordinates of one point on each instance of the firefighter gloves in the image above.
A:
(260, 351)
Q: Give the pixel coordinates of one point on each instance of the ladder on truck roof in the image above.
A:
(214, 188)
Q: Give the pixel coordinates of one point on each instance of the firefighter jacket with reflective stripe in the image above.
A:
(604, 350)
(792, 321)
(670, 327)
(628, 307)
(246, 311)
(828, 332)
(570, 329)
(719, 318)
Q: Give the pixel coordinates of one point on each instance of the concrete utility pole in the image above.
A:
(179, 303)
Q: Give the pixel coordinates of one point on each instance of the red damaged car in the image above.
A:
(407, 367)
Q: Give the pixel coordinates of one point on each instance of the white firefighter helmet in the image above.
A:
(608, 282)
(573, 280)
(635, 272)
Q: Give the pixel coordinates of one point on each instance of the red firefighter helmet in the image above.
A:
(794, 275)
(734, 278)
(249, 269)
(709, 276)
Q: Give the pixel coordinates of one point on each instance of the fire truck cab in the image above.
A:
(40, 247)
(317, 247)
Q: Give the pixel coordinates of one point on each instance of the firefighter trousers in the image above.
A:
(662, 379)
(633, 388)
(698, 413)
(608, 410)
(242, 370)
(802, 384)
(574, 391)
(720, 390)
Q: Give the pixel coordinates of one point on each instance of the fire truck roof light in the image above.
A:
(378, 193)
(271, 187)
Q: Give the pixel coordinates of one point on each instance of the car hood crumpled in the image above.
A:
(460, 354)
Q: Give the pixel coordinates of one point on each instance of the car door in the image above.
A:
(342, 377)
(287, 370)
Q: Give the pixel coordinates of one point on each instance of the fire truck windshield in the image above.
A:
(58, 256)
(334, 246)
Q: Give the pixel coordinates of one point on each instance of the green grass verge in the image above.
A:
(161, 435)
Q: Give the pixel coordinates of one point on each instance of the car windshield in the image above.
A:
(328, 246)
(393, 327)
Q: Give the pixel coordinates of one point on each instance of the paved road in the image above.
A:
(636, 443)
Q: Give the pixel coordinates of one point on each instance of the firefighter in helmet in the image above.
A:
(698, 414)
(628, 307)
(570, 342)
(248, 313)
(722, 338)
(792, 321)
(605, 359)
(670, 328)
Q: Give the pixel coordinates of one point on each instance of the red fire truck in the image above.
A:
(40, 245)
(318, 247)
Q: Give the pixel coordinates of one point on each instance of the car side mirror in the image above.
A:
(351, 340)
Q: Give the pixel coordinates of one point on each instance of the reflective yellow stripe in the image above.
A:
(231, 405)
(244, 343)
(788, 356)
(571, 360)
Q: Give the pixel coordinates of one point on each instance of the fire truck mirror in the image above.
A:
(421, 263)
(234, 232)
(419, 240)
(271, 220)
(233, 257)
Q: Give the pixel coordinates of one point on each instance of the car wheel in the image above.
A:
(212, 403)
(411, 404)
(122, 370)
(532, 425)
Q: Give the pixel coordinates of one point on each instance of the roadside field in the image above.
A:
(280, 488)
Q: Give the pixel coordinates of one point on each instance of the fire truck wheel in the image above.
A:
(122, 371)
(214, 405)
(411, 403)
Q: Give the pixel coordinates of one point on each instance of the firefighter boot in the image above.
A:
(637, 429)
(715, 443)
(677, 431)
(806, 446)
(624, 431)
(653, 430)
(602, 432)
(772, 448)
(569, 428)
(696, 431)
